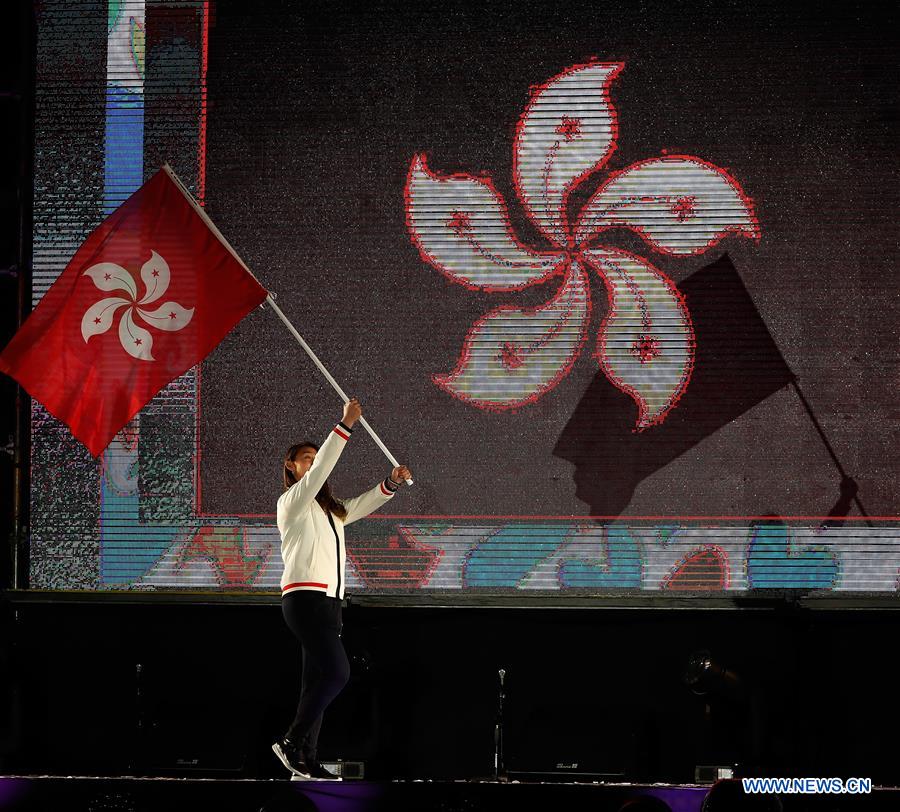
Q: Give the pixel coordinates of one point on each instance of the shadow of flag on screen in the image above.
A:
(737, 365)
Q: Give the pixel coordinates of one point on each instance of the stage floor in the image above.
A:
(37, 793)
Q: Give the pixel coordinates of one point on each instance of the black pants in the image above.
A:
(315, 620)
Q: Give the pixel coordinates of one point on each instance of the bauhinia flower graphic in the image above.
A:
(678, 204)
(136, 340)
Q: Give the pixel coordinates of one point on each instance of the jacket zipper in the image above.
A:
(337, 558)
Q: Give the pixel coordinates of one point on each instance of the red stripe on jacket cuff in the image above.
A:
(385, 491)
(340, 433)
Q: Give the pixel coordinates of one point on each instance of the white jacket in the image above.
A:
(312, 541)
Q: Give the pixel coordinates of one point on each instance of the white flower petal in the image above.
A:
(567, 131)
(511, 357)
(156, 275)
(678, 204)
(136, 340)
(646, 345)
(170, 316)
(461, 226)
(99, 317)
(109, 276)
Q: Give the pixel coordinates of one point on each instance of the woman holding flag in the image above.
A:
(95, 360)
(311, 522)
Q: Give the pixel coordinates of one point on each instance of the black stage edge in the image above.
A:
(193, 690)
(87, 794)
(762, 599)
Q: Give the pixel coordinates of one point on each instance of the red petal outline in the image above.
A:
(441, 380)
(601, 162)
(559, 270)
(600, 354)
(754, 233)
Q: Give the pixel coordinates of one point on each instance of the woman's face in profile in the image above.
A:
(303, 460)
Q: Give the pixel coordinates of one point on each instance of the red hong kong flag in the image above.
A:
(147, 296)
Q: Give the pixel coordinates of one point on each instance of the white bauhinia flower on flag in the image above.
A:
(136, 340)
(96, 379)
(678, 204)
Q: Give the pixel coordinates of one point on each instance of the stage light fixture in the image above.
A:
(705, 676)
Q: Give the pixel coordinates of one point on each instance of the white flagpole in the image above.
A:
(271, 302)
(331, 380)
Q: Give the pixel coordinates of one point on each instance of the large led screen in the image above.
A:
(614, 280)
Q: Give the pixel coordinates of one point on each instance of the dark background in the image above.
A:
(16, 173)
(315, 114)
(218, 681)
